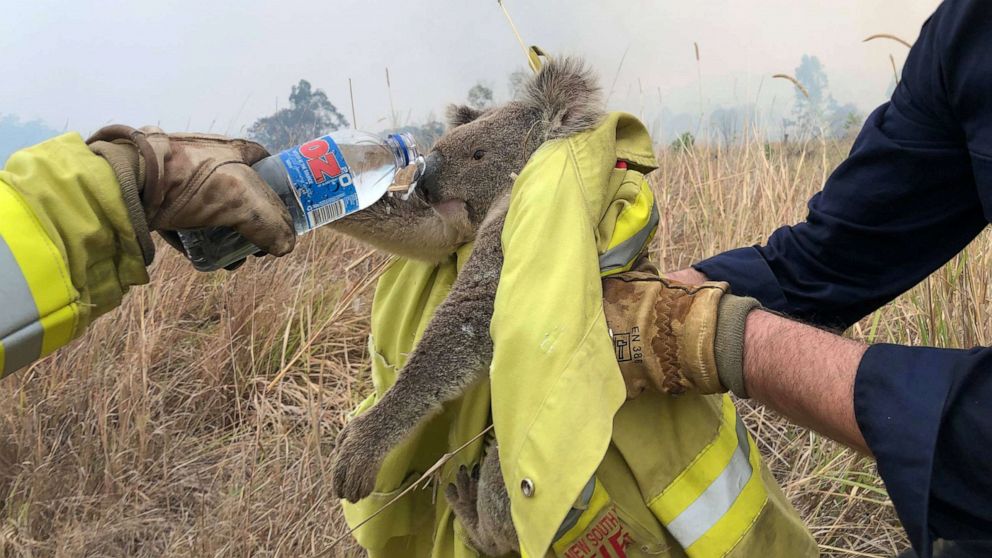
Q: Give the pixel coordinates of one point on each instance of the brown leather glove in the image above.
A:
(674, 338)
(191, 181)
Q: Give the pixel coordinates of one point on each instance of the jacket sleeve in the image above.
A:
(909, 197)
(68, 252)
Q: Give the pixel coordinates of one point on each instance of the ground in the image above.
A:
(198, 419)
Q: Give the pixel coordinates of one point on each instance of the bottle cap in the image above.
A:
(412, 168)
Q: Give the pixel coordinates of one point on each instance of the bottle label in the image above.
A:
(322, 180)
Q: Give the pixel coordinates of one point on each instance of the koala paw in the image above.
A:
(463, 495)
(482, 507)
(358, 455)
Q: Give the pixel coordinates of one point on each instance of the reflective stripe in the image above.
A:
(22, 347)
(714, 501)
(624, 254)
(21, 333)
(19, 308)
(718, 497)
(41, 306)
(573, 514)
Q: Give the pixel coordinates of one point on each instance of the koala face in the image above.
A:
(474, 162)
(471, 165)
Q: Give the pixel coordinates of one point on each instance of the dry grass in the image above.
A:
(154, 435)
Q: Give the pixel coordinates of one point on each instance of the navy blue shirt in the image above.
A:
(915, 190)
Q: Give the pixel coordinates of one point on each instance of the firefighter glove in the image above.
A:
(192, 181)
(675, 338)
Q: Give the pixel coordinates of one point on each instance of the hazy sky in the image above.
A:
(205, 64)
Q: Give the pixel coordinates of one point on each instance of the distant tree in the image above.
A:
(846, 121)
(724, 121)
(818, 113)
(810, 110)
(310, 114)
(732, 122)
(518, 79)
(480, 96)
(684, 143)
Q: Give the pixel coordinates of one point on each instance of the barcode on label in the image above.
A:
(327, 213)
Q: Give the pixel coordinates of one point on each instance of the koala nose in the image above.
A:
(428, 183)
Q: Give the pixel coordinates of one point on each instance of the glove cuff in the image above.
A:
(122, 155)
(729, 342)
(697, 337)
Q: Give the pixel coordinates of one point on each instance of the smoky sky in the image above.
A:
(211, 65)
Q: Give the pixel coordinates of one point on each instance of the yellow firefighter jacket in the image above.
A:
(589, 474)
(67, 248)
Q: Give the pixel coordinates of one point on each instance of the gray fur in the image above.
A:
(456, 115)
(463, 196)
(480, 501)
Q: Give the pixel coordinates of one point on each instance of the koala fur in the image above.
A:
(463, 195)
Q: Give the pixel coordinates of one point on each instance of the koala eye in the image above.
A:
(479, 153)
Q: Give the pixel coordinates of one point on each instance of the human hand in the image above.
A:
(191, 181)
(674, 337)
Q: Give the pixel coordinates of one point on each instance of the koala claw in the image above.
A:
(358, 454)
(463, 495)
(491, 535)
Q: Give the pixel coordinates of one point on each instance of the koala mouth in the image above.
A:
(450, 211)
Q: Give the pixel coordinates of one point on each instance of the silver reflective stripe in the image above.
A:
(20, 331)
(714, 502)
(625, 252)
(573, 514)
(22, 347)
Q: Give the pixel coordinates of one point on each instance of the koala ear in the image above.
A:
(456, 115)
(566, 98)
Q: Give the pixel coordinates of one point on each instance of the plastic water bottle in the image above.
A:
(320, 181)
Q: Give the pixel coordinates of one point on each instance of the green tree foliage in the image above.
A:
(818, 113)
(310, 114)
(480, 96)
(684, 143)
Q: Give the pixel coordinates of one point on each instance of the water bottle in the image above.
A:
(320, 181)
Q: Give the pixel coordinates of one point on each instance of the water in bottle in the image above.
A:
(320, 181)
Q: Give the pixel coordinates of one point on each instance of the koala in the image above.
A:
(463, 195)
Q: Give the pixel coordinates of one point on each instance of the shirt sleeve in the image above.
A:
(909, 197)
(901, 205)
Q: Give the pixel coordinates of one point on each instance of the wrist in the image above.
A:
(732, 315)
(126, 162)
(689, 276)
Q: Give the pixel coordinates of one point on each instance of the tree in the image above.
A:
(684, 143)
(480, 96)
(846, 121)
(732, 123)
(811, 106)
(310, 115)
(816, 112)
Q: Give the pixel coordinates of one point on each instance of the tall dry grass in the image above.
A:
(154, 434)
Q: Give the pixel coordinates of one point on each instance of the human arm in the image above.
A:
(914, 191)
(71, 246)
